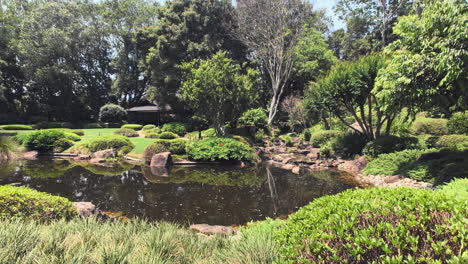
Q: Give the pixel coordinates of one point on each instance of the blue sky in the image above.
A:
(328, 5)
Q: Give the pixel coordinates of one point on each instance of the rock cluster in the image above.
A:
(213, 229)
(87, 209)
(392, 181)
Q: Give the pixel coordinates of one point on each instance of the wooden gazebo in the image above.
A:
(150, 114)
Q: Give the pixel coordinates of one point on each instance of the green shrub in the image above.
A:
(62, 144)
(451, 141)
(458, 123)
(8, 147)
(287, 140)
(155, 130)
(390, 144)
(127, 132)
(177, 146)
(155, 148)
(167, 135)
(111, 113)
(394, 163)
(348, 145)
(254, 117)
(260, 135)
(306, 134)
(219, 149)
(430, 126)
(428, 141)
(148, 127)
(175, 127)
(321, 137)
(72, 136)
(458, 188)
(43, 140)
(197, 123)
(16, 127)
(152, 135)
(132, 126)
(27, 203)
(122, 144)
(376, 225)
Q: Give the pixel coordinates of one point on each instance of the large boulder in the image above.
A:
(213, 229)
(354, 166)
(161, 160)
(87, 209)
(104, 154)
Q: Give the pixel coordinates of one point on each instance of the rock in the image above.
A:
(303, 151)
(161, 160)
(30, 155)
(87, 209)
(287, 167)
(104, 154)
(296, 170)
(353, 166)
(392, 179)
(82, 157)
(313, 154)
(213, 229)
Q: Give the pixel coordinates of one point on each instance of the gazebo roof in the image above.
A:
(150, 109)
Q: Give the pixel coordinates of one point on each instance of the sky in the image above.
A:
(328, 5)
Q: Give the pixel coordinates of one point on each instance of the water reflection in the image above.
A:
(213, 195)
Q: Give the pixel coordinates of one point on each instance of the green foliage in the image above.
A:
(16, 127)
(111, 113)
(62, 144)
(458, 188)
(127, 132)
(218, 88)
(198, 123)
(27, 203)
(155, 130)
(219, 149)
(7, 147)
(306, 134)
(429, 126)
(348, 145)
(376, 225)
(260, 135)
(322, 137)
(451, 141)
(286, 139)
(176, 128)
(390, 144)
(394, 163)
(167, 135)
(254, 117)
(458, 123)
(122, 144)
(43, 140)
(175, 146)
(132, 126)
(152, 135)
(148, 127)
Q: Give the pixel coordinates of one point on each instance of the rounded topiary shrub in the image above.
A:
(458, 123)
(254, 117)
(322, 137)
(63, 144)
(28, 203)
(127, 132)
(111, 113)
(451, 141)
(16, 127)
(43, 140)
(132, 126)
(175, 127)
(390, 144)
(152, 135)
(219, 149)
(430, 126)
(376, 225)
(122, 144)
(168, 135)
(148, 127)
(348, 145)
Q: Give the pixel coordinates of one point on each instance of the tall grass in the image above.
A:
(90, 241)
(7, 147)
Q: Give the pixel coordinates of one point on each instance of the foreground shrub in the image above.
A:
(148, 127)
(376, 225)
(8, 148)
(348, 145)
(16, 127)
(62, 144)
(254, 117)
(77, 132)
(43, 140)
(458, 123)
(287, 140)
(167, 135)
(451, 141)
(126, 132)
(132, 126)
(175, 146)
(122, 144)
(111, 113)
(390, 144)
(394, 163)
(175, 127)
(28, 203)
(430, 126)
(152, 135)
(322, 137)
(219, 149)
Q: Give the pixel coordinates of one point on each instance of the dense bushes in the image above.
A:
(62, 144)
(430, 126)
(132, 126)
(7, 147)
(322, 137)
(458, 123)
(127, 132)
(43, 140)
(167, 135)
(394, 163)
(111, 113)
(390, 144)
(16, 127)
(348, 145)
(219, 149)
(148, 127)
(451, 141)
(254, 117)
(122, 144)
(151, 135)
(175, 127)
(175, 146)
(28, 203)
(376, 225)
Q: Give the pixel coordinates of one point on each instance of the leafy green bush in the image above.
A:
(430, 126)
(152, 135)
(390, 144)
(168, 135)
(260, 135)
(394, 163)
(219, 149)
(148, 127)
(254, 117)
(321, 137)
(122, 144)
(348, 145)
(127, 132)
(287, 140)
(451, 141)
(458, 188)
(7, 147)
(43, 140)
(458, 123)
(28, 203)
(306, 134)
(132, 126)
(111, 113)
(155, 130)
(16, 127)
(376, 225)
(197, 123)
(175, 127)
(62, 144)
(155, 148)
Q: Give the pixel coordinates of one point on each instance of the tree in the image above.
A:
(348, 90)
(271, 29)
(218, 89)
(428, 66)
(111, 113)
(293, 106)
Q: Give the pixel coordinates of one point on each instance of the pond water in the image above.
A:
(210, 194)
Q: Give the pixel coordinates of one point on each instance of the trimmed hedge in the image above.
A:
(254, 117)
(127, 132)
(132, 126)
(28, 203)
(458, 123)
(43, 140)
(152, 135)
(390, 144)
(122, 144)
(219, 149)
(175, 127)
(175, 146)
(62, 144)
(168, 135)
(148, 127)
(322, 137)
(430, 126)
(16, 127)
(451, 141)
(376, 225)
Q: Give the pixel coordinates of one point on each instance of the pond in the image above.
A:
(222, 195)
